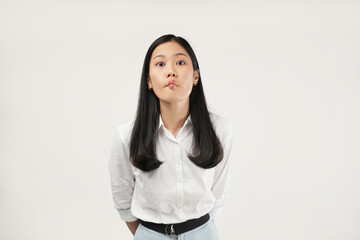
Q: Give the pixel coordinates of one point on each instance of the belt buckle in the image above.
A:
(172, 231)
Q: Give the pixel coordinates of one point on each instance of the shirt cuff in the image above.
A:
(126, 215)
(214, 213)
(216, 210)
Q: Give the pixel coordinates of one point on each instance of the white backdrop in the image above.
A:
(285, 72)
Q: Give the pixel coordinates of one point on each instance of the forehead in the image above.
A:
(169, 48)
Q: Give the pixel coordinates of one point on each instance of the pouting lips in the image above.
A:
(172, 83)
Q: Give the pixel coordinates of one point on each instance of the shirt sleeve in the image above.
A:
(121, 177)
(221, 181)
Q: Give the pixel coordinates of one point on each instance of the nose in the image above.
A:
(171, 72)
(171, 75)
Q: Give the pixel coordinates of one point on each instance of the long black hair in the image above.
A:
(206, 144)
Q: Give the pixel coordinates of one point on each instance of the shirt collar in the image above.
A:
(161, 123)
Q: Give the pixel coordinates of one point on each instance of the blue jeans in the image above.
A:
(207, 231)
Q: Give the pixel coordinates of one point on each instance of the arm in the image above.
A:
(133, 226)
(122, 180)
(222, 171)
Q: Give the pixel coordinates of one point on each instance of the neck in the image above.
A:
(174, 114)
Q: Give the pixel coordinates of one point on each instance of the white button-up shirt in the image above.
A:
(176, 191)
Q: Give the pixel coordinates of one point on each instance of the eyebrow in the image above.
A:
(176, 54)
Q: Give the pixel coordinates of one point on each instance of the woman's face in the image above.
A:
(170, 61)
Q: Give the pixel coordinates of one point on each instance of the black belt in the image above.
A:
(175, 229)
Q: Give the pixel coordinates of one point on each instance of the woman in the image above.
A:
(169, 168)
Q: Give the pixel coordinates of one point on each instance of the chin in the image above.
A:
(173, 99)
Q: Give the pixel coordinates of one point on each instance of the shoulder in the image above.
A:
(223, 125)
(124, 130)
(220, 122)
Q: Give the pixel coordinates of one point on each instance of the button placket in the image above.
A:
(179, 176)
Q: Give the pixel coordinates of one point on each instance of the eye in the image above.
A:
(158, 64)
(181, 61)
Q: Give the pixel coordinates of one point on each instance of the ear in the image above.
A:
(149, 82)
(196, 77)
